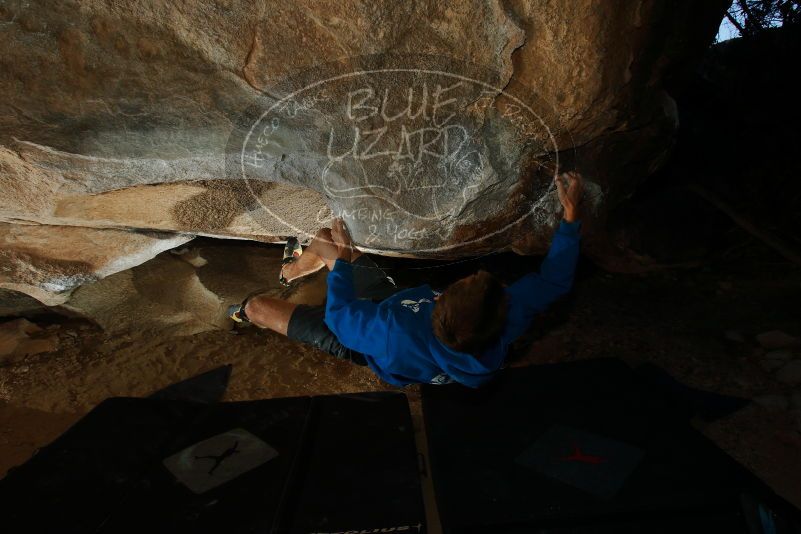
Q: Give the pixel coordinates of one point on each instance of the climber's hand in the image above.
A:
(341, 237)
(570, 188)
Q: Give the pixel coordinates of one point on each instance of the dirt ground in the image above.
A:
(677, 319)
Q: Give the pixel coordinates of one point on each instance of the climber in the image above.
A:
(417, 335)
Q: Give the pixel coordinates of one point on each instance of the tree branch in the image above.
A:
(736, 24)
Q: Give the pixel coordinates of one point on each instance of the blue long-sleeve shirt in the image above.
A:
(396, 335)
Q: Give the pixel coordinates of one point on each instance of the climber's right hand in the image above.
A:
(341, 238)
(570, 188)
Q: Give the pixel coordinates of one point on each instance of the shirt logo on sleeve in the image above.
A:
(414, 305)
(440, 379)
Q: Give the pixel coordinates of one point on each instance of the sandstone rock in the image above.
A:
(216, 208)
(780, 355)
(16, 340)
(191, 256)
(790, 373)
(776, 339)
(772, 402)
(169, 296)
(771, 365)
(48, 262)
(16, 304)
(734, 335)
(231, 119)
(795, 400)
(775, 359)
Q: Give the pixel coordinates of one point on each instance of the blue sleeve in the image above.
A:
(358, 324)
(534, 292)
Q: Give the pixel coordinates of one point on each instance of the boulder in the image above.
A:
(23, 338)
(790, 373)
(189, 291)
(734, 335)
(435, 129)
(795, 400)
(777, 339)
(17, 304)
(48, 262)
(773, 402)
(775, 359)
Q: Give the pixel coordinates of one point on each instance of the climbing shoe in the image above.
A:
(292, 251)
(237, 313)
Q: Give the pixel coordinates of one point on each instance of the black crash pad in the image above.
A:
(310, 464)
(588, 446)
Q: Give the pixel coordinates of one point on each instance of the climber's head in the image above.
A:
(470, 314)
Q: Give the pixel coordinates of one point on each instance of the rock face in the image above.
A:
(48, 262)
(188, 293)
(433, 128)
(23, 338)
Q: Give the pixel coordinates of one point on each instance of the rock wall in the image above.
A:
(434, 128)
(48, 262)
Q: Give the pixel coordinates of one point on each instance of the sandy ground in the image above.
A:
(163, 322)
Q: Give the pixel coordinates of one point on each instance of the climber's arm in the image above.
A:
(358, 324)
(534, 292)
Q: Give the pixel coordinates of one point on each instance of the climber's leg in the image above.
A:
(267, 312)
(320, 253)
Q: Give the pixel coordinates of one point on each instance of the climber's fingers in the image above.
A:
(560, 186)
(575, 183)
(339, 232)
